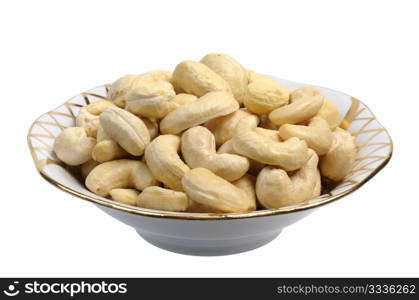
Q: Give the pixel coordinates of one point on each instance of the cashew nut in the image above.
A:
(157, 100)
(198, 79)
(119, 89)
(229, 69)
(330, 112)
(223, 127)
(73, 146)
(337, 163)
(155, 197)
(210, 106)
(246, 183)
(126, 129)
(88, 117)
(164, 162)
(317, 134)
(106, 149)
(290, 154)
(304, 105)
(198, 149)
(204, 187)
(264, 94)
(150, 98)
(123, 173)
(254, 166)
(126, 196)
(275, 188)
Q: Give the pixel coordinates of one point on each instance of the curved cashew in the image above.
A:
(73, 146)
(88, 117)
(164, 162)
(154, 105)
(198, 79)
(317, 134)
(254, 166)
(206, 188)
(337, 163)
(229, 69)
(223, 127)
(304, 105)
(126, 129)
(155, 197)
(330, 112)
(150, 98)
(88, 166)
(120, 88)
(264, 94)
(246, 183)
(126, 196)
(290, 154)
(273, 135)
(210, 106)
(106, 149)
(198, 149)
(275, 188)
(182, 98)
(123, 173)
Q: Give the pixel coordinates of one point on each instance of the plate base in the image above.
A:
(207, 247)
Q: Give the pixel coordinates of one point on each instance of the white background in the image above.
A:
(52, 50)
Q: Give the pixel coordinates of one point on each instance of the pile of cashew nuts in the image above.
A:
(209, 137)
